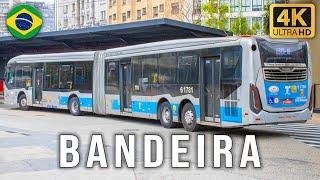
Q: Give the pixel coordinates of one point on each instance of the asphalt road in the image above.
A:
(29, 149)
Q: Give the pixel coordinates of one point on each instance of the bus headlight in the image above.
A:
(255, 101)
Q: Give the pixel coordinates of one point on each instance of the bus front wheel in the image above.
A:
(74, 106)
(165, 114)
(23, 103)
(188, 118)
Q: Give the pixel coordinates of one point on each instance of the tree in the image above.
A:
(266, 17)
(217, 17)
(241, 27)
(216, 14)
(189, 12)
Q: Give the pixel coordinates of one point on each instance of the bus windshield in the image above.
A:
(9, 77)
(276, 53)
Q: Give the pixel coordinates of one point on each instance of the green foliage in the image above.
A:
(216, 17)
(216, 14)
(241, 27)
(266, 17)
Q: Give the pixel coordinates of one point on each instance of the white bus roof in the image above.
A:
(54, 57)
(163, 46)
(278, 40)
(142, 49)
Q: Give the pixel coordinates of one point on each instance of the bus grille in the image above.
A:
(285, 74)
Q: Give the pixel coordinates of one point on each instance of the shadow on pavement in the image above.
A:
(249, 130)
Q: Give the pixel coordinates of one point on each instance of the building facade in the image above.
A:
(48, 14)
(123, 11)
(315, 53)
(47, 11)
(251, 10)
(74, 14)
(5, 6)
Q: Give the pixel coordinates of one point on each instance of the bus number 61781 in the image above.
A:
(186, 90)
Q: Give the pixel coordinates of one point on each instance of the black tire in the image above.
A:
(188, 118)
(74, 106)
(23, 103)
(165, 115)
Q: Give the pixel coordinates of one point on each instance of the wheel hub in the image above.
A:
(189, 117)
(23, 102)
(75, 106)
(166, 115)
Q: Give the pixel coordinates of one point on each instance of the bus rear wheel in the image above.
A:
(23, 103)
(165, 114)
(74, 106)
(188, 118)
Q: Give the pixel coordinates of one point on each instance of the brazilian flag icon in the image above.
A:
(24, 21)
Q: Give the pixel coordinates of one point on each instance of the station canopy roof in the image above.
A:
(104, 37)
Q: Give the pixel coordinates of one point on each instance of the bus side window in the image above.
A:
(26, 76)
(66, 76)
(231, 64)
(168, 68)
(145, 72)
(18, 77)
(137, 74)
(10, 77)
(83, 76)
(150, 71)
(52, 76)
(112, 78)
(188, 69)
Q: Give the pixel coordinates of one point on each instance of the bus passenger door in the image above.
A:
(125, 87)
(211, 88)
(38, 85)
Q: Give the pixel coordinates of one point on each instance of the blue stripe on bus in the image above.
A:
(84, 102)
(137, 106)
(116, 104)
(229, 114)
(144, 107)
(151, 108)
(197, 109)
(64, 100)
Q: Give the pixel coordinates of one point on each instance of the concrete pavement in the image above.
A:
(1, 98)
(315, 119)
(29, 149)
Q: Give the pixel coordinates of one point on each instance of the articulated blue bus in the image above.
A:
(223, 82)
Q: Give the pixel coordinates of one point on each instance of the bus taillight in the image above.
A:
(311, 98)
(1, 86)
(255, 101)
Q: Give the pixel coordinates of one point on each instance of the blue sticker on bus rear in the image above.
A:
(286, 94)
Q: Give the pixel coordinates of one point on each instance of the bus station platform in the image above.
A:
(103, 37)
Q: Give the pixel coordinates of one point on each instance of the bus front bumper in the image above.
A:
(282, 117)
(10, 98)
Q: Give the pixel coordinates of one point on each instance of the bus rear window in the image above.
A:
(282, 53)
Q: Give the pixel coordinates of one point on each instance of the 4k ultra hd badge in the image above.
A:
(292, 20)
(24, 21)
